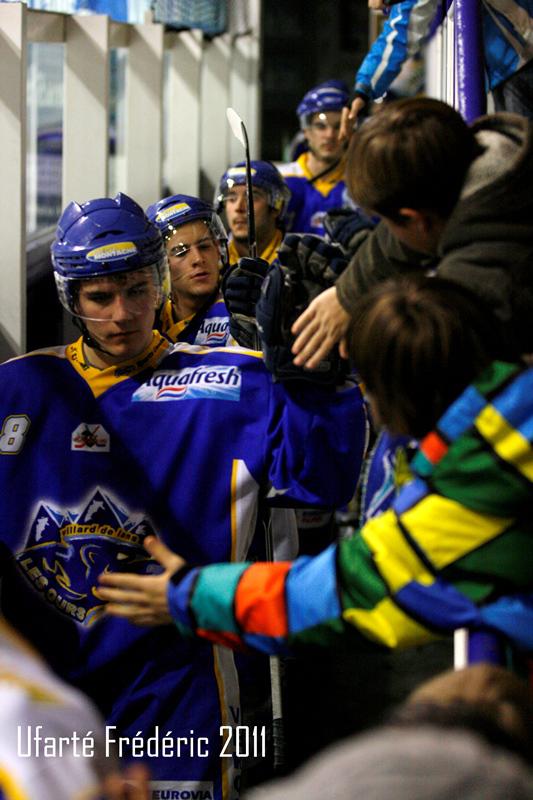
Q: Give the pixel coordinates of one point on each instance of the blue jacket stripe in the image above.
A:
(439, 605)
(315, 580)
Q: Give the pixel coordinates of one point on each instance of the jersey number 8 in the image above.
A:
(13, 433)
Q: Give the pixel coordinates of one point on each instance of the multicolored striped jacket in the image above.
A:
(454, 550)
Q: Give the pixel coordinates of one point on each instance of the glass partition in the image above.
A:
(44, 135)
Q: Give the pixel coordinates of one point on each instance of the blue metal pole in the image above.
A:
(471, 91)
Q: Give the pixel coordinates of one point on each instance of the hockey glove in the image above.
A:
(241, 285)
(287, 291)
(313, 257)
(342, 224)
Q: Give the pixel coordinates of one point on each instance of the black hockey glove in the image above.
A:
(241, 287)
(313, 257)
(302, 274)
(342, 224)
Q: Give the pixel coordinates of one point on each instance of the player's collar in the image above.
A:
(330, 179)
(271, 250)
(269, 253)
(100, 380)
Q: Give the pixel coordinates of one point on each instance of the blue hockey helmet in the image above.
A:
(170, 213)
(105, 237)
(332, 95)
(265, 176)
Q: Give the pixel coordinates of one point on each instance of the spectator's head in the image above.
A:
(271, 198)
(408, 163)
(196, 246)
(426, 762)
(484, 698)
(319, 113)
(111, 274)
(417, 342)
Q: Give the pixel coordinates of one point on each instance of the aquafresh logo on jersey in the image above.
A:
(66, 550)
(213, 331)
(192, 383)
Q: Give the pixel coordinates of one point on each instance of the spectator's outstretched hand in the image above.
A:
(349, 118)
(131, 784)
(141, 598)
(321, 326)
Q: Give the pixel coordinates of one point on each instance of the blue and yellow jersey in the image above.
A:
(454, 550)
(208, 327)
(385, 473)
(312, 199)
(180, 441)
(45, 729)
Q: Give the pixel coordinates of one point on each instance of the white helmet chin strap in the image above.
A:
(87, 338)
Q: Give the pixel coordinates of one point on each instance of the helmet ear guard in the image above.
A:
(265, 176)
(104, 238)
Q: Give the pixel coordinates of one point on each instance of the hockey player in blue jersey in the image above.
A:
(271, 197)
(121, 434)
(316, 178)
(197, 251)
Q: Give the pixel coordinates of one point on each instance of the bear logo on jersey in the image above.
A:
(67, 549)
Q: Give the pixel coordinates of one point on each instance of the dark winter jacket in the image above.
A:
(487, 243)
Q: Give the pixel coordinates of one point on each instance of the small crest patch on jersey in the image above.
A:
(112, 252)
(92, 438)
(317, 219)
(192, 383)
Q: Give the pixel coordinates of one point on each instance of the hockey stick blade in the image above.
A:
(238, 129)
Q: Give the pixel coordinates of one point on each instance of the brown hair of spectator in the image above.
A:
(413, 153)
(418, 342)
(484, 698)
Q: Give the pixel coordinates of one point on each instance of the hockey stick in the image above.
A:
(473, 646)
(238, 129)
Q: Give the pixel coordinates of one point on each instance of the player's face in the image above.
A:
(119, 312)
(322, 136)
(194, 261)
(237, 214)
